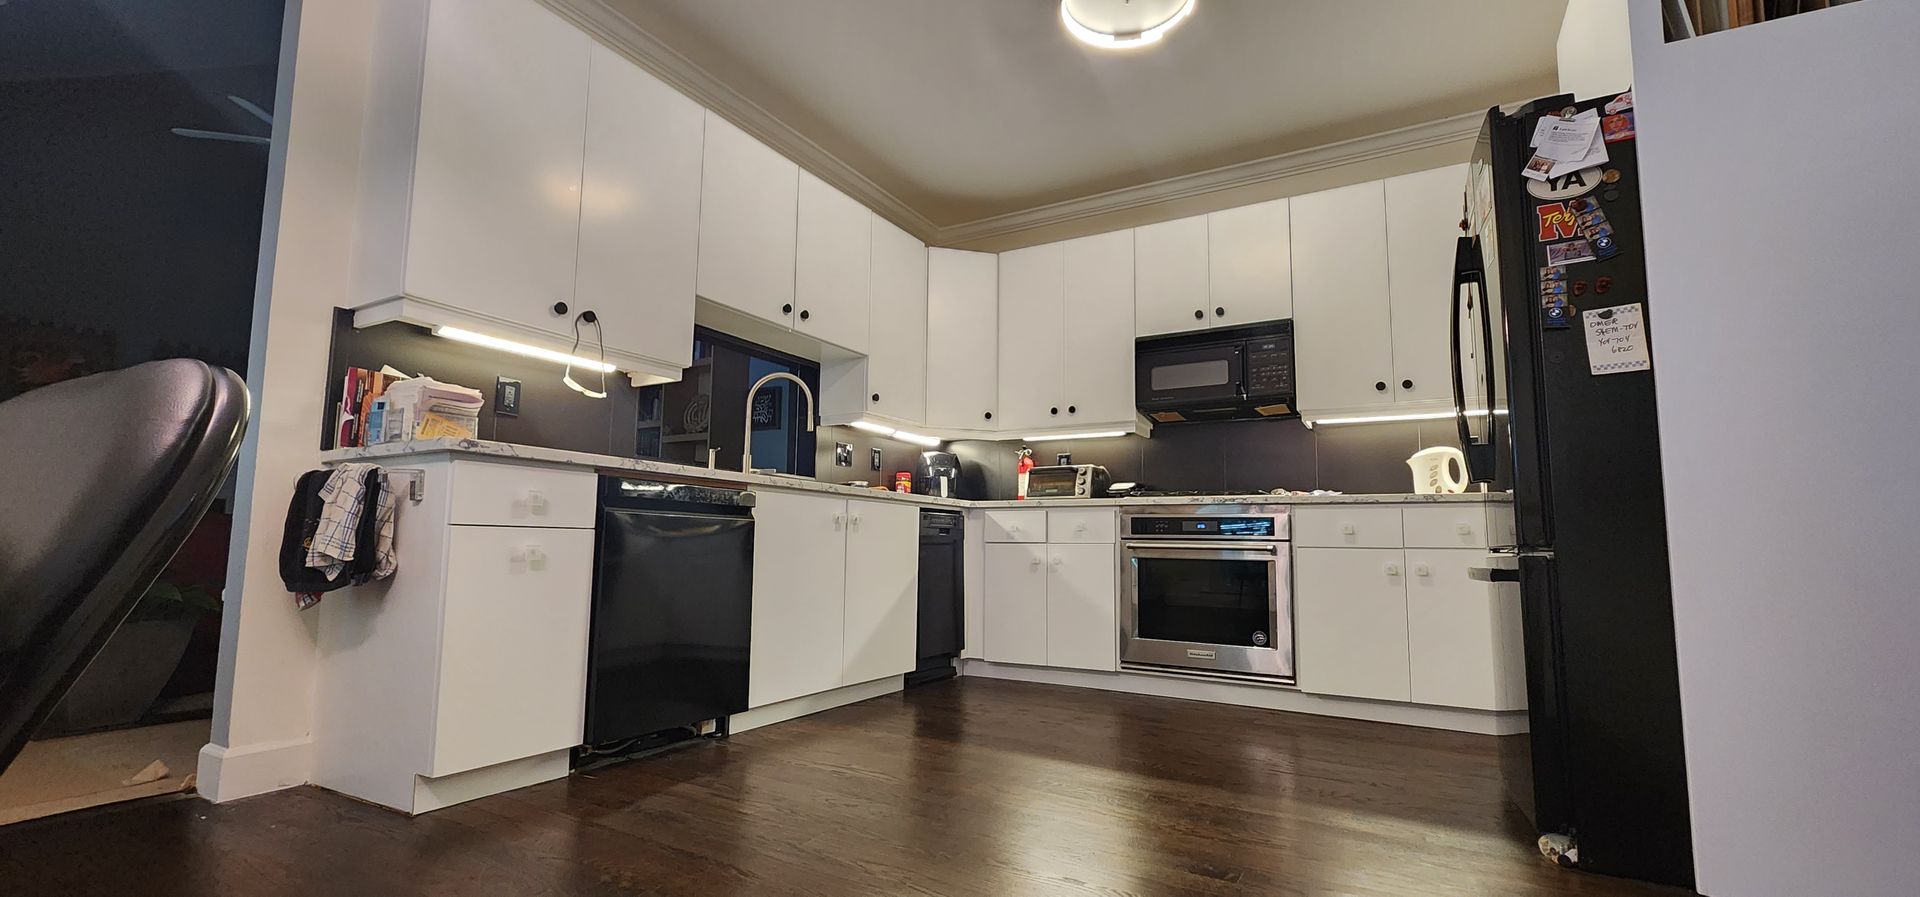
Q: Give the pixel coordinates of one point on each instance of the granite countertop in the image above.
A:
(481, 448)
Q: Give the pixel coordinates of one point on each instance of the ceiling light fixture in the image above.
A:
(1120, 24)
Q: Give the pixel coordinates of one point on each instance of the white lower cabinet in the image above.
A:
(1082, 630)
(513, 645)
(883, 600)
(835, 591)
(1051, 604)
(1403, 624)
(1350, 622)
(799, 596)
(1016, 603)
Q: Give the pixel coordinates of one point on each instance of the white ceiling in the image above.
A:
(967, 109)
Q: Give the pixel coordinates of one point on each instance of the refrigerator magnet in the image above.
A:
(1570, 252)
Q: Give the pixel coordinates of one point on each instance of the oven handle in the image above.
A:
(1268, 547)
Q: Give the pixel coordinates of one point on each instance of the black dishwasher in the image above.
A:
(942, 631)
(672, 609)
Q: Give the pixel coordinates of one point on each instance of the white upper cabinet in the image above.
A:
(1423, 225)
(748, 198)
(897, 356)
(1097, 344)
(1250, 264)
(474, 180)
(1032, 315)
(833, 266)
(963, 351)
(1170, 277)
(1343, 346)
(639, 201)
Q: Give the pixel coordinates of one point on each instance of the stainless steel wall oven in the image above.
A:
(1208, 589)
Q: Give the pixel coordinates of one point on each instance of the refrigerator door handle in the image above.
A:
(1493, 574)
(1469, 270)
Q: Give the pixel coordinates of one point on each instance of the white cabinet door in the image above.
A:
(1342, 337)
(513, 645)
(963, 338)
(1250, 264)
(639, 210)
(1015, 600)
(833, 266)
(1170, 277)
(1350, 622)
(495, 213)
(1423, 224)
(748, 201)
(1463, 638)
(1032, 316)
(883, 591)
(799, 596)
(1082, 624)
(1098, 344)
(897, 353)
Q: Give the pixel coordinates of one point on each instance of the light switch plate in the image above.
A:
(843, 454)
(506, 397)
(875, 453)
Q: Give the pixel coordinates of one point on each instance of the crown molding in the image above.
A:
(683, 74)
(1227, 177)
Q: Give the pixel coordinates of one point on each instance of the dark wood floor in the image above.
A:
(970, 787)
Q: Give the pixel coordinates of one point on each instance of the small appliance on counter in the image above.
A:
(937, 473)
(1441, 470)
(1068, 481)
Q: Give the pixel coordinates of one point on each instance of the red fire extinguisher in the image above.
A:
(1021, 469)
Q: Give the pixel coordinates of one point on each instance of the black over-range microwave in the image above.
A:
(1227, 374)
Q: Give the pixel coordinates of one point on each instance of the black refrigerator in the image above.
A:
(1554, 394)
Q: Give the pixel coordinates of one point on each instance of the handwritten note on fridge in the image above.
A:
(1617, 339)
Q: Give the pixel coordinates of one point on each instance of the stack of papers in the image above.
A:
(425, 408)
(1562, 146)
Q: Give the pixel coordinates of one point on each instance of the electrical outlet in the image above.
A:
(843, 454)
(506, 397)
(875, 454)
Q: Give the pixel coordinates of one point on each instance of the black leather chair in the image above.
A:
(101, 480)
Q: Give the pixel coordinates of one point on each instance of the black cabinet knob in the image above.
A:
(559, 308)
(804, 314)
(1381, 386)
(786, 309)
(1053, 410)
(1199, 315)
(1406, 384)
(1220, 311)
(1071, 409)
(876, 397)
(989, 415)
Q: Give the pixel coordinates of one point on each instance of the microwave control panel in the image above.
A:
(1270, 365)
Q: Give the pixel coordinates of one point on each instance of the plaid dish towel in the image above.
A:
(343, 501)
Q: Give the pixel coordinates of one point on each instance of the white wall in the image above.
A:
(1596, 54)
(1781, 235)
(263, 696)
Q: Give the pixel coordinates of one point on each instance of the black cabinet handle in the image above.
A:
(786, 309)
(1220, 311)
(1071, 409)
(1493, 574)
(559, 308)
(1380, 385)
(1406, 384)
(804, 314)
(1053, 411)
(989, 415)
(1199, 315)
(876, 397)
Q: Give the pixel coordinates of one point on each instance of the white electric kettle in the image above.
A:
(1433, 471)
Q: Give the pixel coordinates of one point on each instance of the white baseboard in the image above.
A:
(460, 787)
(1481, 722)
(802, 706)
(230, 773)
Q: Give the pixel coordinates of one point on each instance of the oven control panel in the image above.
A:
(1222, 527)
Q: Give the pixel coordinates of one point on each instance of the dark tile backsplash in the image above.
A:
(1227, 457)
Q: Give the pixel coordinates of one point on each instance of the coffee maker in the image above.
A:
(937, 473)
